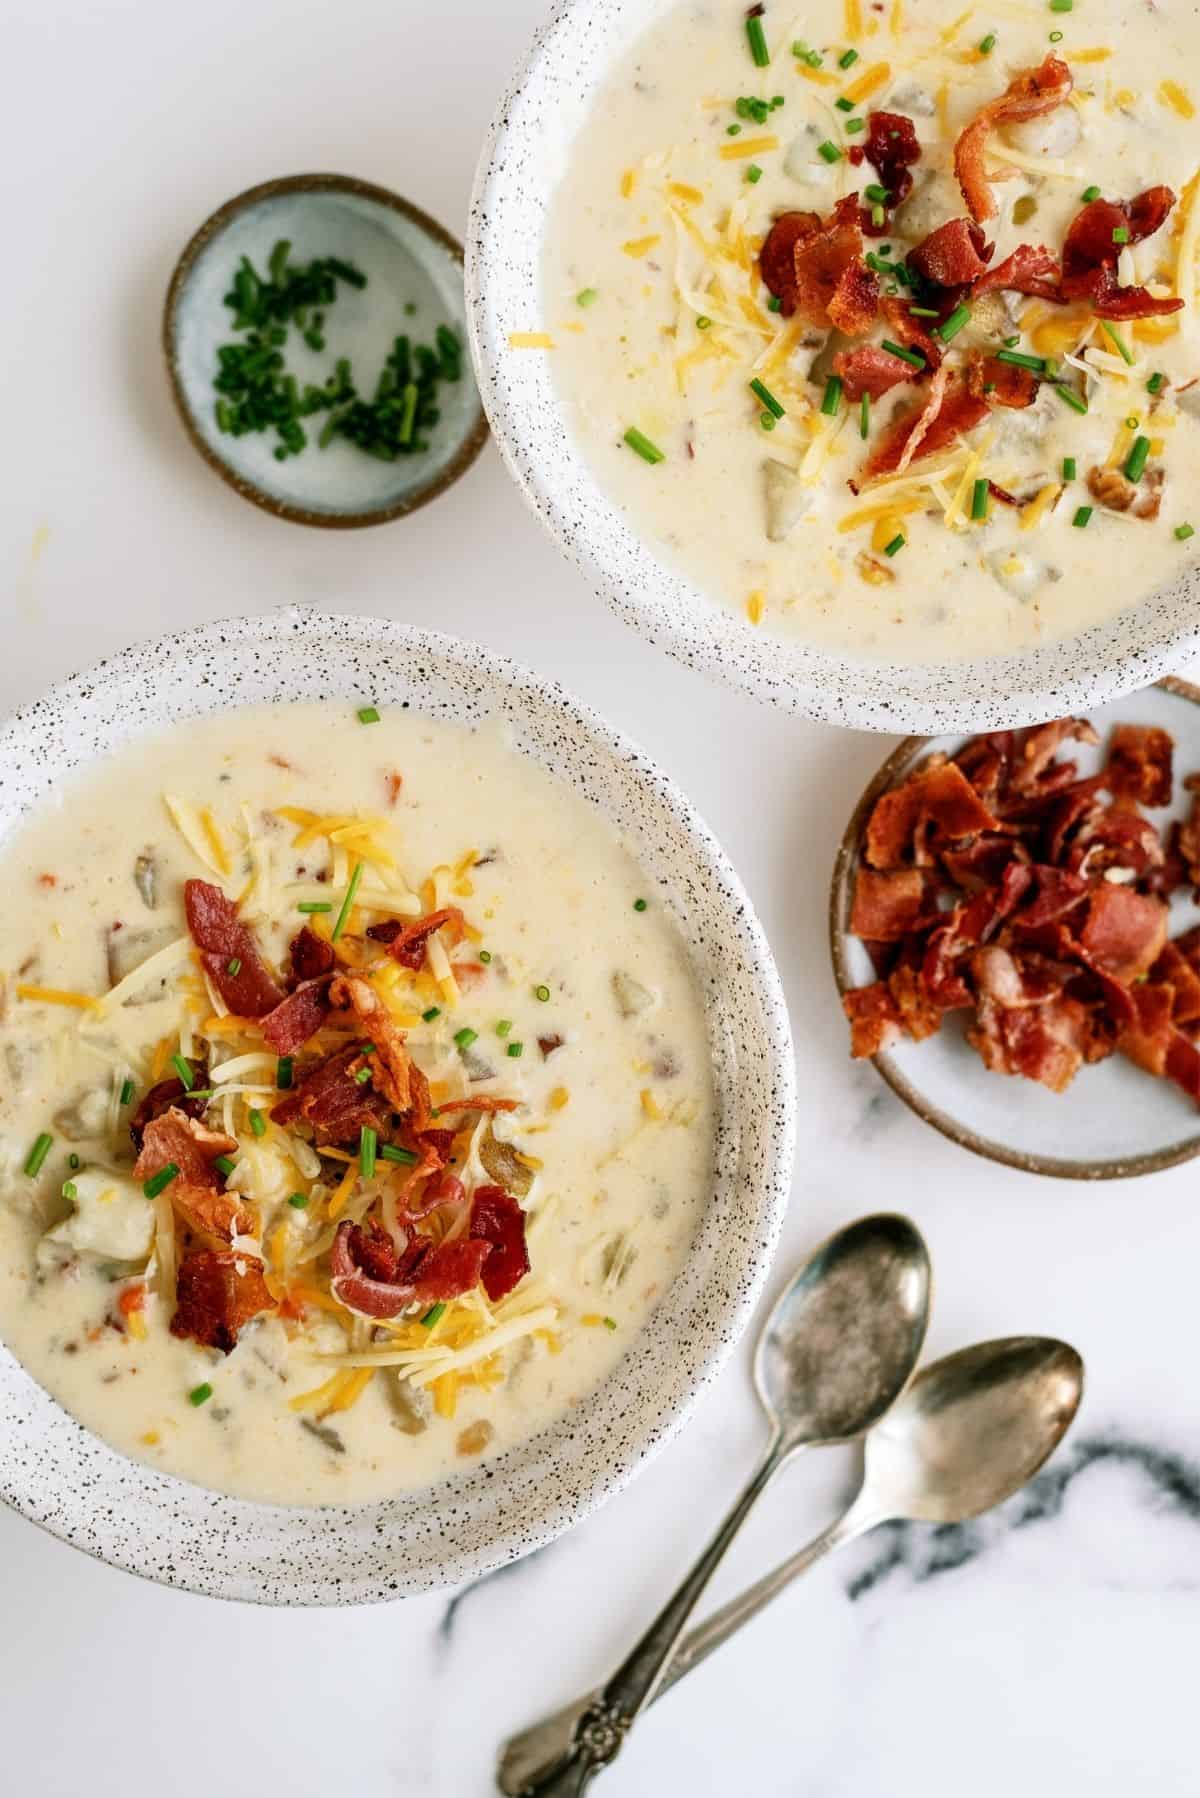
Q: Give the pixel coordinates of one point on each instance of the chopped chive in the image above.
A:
(362, 1076)
(831, 404)
(953, 324)
(70, 1190)
(1081, 517)
(912, 357)
(753, 173)
(733, 130)
(298, 1201)
(347, 902)
(767, 421)
(987, 44)
(642, 446)
(1120, 234)
(979, 499)
(126, 1091)
(368, 714)
(184, 1069)
(1056, 37)
(1156, 383)
(233, 966)
(160, 1181)
(542, 993)
(73, 1161)
(878, 218)
(1069, 397)
(1018, 359)
(1062, 5)
(587, 296)
(503, 1027)
(1069, 468)
(844, 105)
(1010, 343)
(388, 1151)
(314, 905)
(258, 1122)
(465, 1037)
(1138, 457)
(829, 152)
(703, 322)
(38, 1154)
(757, 41)
(516, 1050)
(853, 125)
(430, 1317)
(768, 398)
(223, 1165)
(435, 1011)
(897, 542)
(1117, 341)
(923, 311)
(1184, 531)
(283, 1072)
(610, 1323)
(367, 1143)
(200, 1395)
(485, 955)
(640, 904)
(1132, 422)
(774, 304)
(864, 415)
(847, 59)
(1090, 193)
(873, 191)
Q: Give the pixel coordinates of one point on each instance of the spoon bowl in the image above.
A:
(842, 1341)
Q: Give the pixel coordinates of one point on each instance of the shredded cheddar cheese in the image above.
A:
(1177, 98)
(56, 995)
(530, 340)
(748, 146)
(869, 82)
(641, 246)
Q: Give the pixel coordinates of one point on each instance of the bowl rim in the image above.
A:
(778, 1131)
(206, 233)
(828, 686)
(840, 896)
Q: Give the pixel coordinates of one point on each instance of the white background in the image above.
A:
(1060, 1659)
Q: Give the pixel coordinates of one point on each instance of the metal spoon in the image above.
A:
(968, 1433)
(833, 1357)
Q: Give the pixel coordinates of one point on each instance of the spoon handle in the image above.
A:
(600, 1732)
(538, 1750)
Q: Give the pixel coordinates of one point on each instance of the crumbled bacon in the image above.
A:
(814, 266)
(777, 258)
(391, 1065)
(423, 1273)
(407, 942)
(298, 1017)
(1139, 764)
(950, 410)
(888, 905)
(956, 254)
(197, 1192)
(311, 956)
(226, 944)
(903, 324)
(218, 1293)
(1003, 383)
(1031, 269)
(162, 1097)
(1090, 254)
(336, 1105)
(1031, 93)
(870, 369)
(891, 147)
(497, 1219)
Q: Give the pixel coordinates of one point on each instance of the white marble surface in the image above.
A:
(1053, 1657)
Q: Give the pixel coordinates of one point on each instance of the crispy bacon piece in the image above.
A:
(224, 943)
(827, 282)
(956, 254)
(407, 942)
(496, 1218)
(949, 412)
(891, 147)
(424, 1273)
(912, 335)
(391, 1064)
(197, 1192)
(162, 1097)
(887, 906)
(869, 369)
(297, 1017)
(1139, 764)
(936, 803)
(478, 1102)
(1030, 269)
(1042, 1042)
(1029, 94)
(333, 1102)
(1125, 931)
(311, 955)
(875, 1021)
(1090, 255)
(217, 1294)
(1001, 383)
(1035, 771)
(777, 258)
(1146, 1039)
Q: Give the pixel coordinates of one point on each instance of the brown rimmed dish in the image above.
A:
(1113, 1122)
(406, 252)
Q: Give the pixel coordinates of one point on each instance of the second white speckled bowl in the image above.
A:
(60, 1475)
(523, 157)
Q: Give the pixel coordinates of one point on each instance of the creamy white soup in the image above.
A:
(1021, 459)
(356, 1102)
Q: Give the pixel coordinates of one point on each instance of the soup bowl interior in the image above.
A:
(60, 1475)
(524, 156)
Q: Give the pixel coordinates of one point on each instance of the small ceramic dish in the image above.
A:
(414, 283)
(530, 140)
(1113, 1120)
(60, 1475)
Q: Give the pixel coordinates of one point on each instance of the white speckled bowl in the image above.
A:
(61, 1476)
(523, 157)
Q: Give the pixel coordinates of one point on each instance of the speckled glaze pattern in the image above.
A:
(523, 156)
(61, 1476)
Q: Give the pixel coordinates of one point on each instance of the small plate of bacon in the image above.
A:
(1024, 904)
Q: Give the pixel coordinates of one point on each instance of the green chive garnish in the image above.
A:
(1069, 469)
(847, 59)
(1062, 5)
(1090, 193)
(485, 955)
(362, 1076)
(951, 326)
(774, 303)
(367, 1144)
(258, 1122)
(367, 714)
(1118, 342)
(1120, 234)
(516, 1050)
(435, 1011)
(314, 905)
(1019, 360)
(640, 904)
(38, 1154)
(768, 398)
(200, 1395)
(224, 1165)
(1156, 383)
(1056, 37)
(503, 1027)
(70, 1190)
(389, 1152)
(430, 1317)
(912, 357)
(126, 1091)
(979, 499)
(1069, 397)
(864, 415)
(298, 1201)
(465, 1037)
(756, 39)
(703, 322)
(1184, 531)
(766, 421)
(897, 542)
(542, 993)
(283, 1072)
(160, 1181)
(844, 105)
(642, 446)
(873, 191)
(1138, 457)
(832, 401)
(853, 125)
(923, 311)
(733, 130)
(829, 152)
(753, 173)
(1081, 517)
(610, 1323)
(183, 1068)
(73, 1161)
(587, 296)
(988, 44)
(348, 901)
